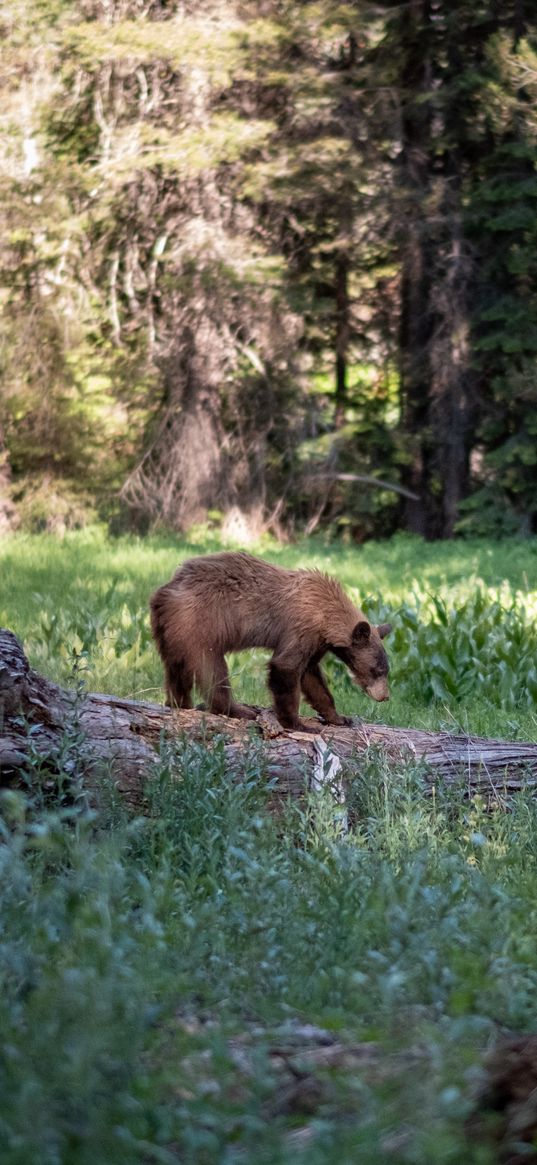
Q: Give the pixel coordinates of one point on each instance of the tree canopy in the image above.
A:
(271, 264)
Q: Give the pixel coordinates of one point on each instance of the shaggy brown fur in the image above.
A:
(229, 601)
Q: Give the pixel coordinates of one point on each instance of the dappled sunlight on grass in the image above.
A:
(161, 957)
(463, 651)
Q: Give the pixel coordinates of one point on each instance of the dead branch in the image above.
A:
(122, 738)
(366, 479)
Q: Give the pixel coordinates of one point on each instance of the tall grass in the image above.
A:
(150, 965)
(463, 652)
(136, 953)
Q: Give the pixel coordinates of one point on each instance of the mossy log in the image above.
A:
(101, 734)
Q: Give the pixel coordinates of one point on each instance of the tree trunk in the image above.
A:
(416, 324)
(98, 736)
(437, 272)
(185, 473)
(342, 337)
(7, 508)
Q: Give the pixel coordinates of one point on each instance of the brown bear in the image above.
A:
(229, 601)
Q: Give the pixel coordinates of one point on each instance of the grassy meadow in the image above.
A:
(463, 652)
(162, 978)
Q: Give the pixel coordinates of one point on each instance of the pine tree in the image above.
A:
(502, 224)
(320, 193)
(444, 57)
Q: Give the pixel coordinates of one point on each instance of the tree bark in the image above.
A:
(437, 272)
(7, 509)
(98, 736)
(186, 471)
(342, 336)
(417, 254)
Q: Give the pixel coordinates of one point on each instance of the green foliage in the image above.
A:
(180, 171)
(150, 965)
(487, 514)
(463, 647)
(501, 223)
(176, 41)
(51, 505)
(477, 646)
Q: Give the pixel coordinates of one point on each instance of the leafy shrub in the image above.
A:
(148, 966)
(475, 646)
(51, 505)
(145, 961)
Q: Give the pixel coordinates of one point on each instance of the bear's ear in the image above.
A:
(361, 633)
(384, 630)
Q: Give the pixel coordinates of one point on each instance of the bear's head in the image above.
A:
(367, 659)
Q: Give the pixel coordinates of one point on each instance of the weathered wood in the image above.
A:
(112, 735)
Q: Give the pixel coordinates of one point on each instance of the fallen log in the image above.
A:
(95, 735)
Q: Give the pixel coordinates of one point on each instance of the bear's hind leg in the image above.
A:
(285, 687)
(179, 680)
(216, 687)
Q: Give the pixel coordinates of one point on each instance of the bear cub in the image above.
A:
(230, 601)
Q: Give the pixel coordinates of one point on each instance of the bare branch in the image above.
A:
(366, 479)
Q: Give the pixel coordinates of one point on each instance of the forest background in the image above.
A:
(251, 254)
(254, 253)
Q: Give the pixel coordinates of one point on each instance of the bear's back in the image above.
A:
(240, 601)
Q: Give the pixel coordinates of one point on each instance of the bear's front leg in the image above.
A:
(284, 683)
(318, 694)
(341, 721)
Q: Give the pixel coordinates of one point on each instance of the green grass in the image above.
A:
(150, 966)
(463, 652)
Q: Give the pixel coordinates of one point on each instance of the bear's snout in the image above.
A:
(378, 690)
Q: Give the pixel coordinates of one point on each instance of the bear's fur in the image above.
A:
(229, 601)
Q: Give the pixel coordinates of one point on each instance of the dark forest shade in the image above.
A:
(245, 259)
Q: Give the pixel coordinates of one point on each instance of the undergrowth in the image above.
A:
(136, 952)
(152, 966)
(463, 652)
